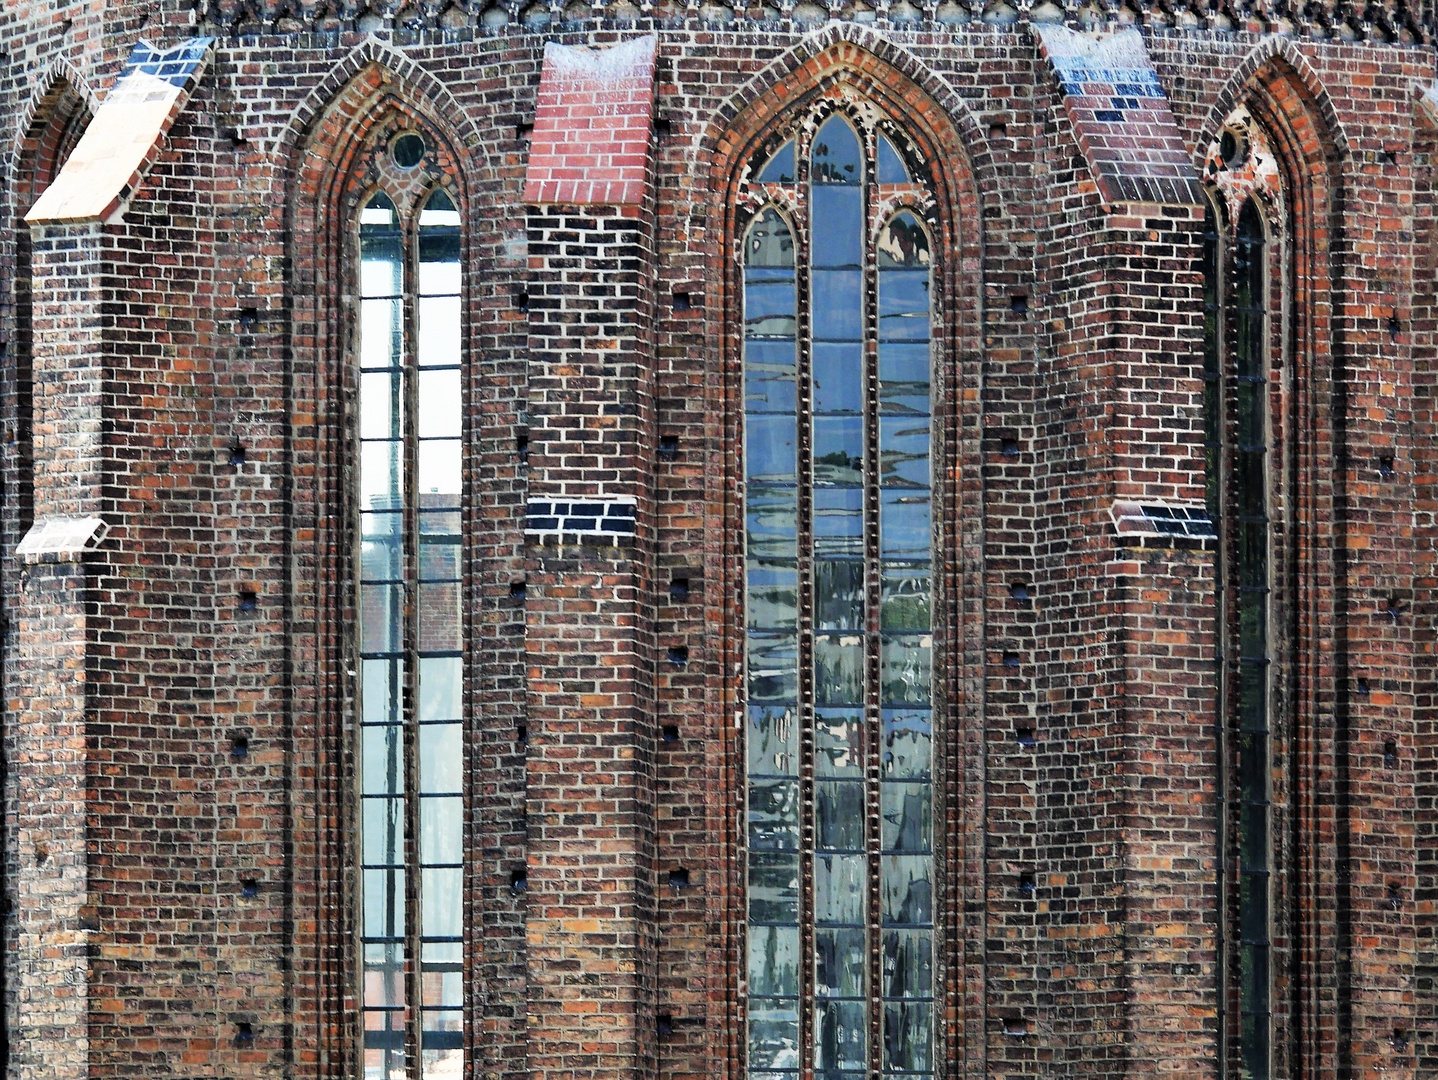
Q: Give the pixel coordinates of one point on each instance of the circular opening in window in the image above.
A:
(1232, 148)
(407, 150)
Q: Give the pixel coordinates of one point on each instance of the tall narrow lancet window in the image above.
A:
(411, 745)
(1250, 560)
(838, 557)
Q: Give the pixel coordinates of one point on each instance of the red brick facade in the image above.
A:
(180, 749)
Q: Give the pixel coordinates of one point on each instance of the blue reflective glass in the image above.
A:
(838, 227)
(769, 443)
(838, 309)
(769, 309)
(836, 158)
(891, 165)
(769, 373)
(838, 377)
(904, 305)
(779, 169)
(905, 523)
(838, 449)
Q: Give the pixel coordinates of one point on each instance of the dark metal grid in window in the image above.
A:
(410, 628)
(839, 629)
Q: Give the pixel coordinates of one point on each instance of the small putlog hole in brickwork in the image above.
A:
(1394, 326)
(679, 588)
(664, 1024)
(249, 600)
(521, 734)
(1009, 445)
(521, 447)
(682, 301)
(663, 127)
(244, 1033)
(524, 131)
(249, 319)
(1019, 304)
(1360, 687)
(1027, 737)
(517, 589)
(249, 888)
(1395, 896)
(236, 137)
(678, 879)
(1019, 590)
(1011, 659)
(1016, 1027)
(1026, 886)
(521, 299)
(1400, 1040)
(668, 447)
(1390, 754)
(238, 455)
(999, 130)
(679, 655)
(239, 746)
(1385, 466)
(42, 853)
(669, 733)
(408, 150)
(518, 881)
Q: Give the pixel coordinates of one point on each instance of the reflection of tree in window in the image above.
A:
(864, 545)
(411, 725)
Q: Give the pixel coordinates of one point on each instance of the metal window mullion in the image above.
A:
(873, 725)
(804, 441)
(410, 568)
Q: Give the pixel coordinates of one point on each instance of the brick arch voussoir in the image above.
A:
(61, 95)
(1296, 99)
(889, 71)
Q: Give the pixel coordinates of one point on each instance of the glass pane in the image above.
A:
(444, 1064)
(838, 450)
(906, 889)
(772, 521)
(838, 522)
(769, 309)
(769, 443)
(904, 305)
(383, 831)
(774, 961)
(441, 688)
(439, 278)
(382, 751)
(440, 400)
(908, 1036)
(908, 741)
(769, 243)
(838, 669)
(903, 451)
(774, 815)
(904, 669)
(440, 470)
(773, 1034)
(769, 374)
(442, 902)
(379, 405)
(381, 475)
(441, 758)
(840, 962)
(839, 815)
(839, 889)
(381, 560)
(908, 964)
(773, 887)
(381, 618)
(838, 310)
(773, 668)
(836, 158)
(381, 688)
(439, 340)
(780, 168)
(773, 598)
(905, 523)
(439, 559)
(383, 903)
(904, 598)
(773, 738)
(839, 594)
(839, 1029)
(891, 164)
(838, 745)
(906, 817)
(441, 830)
(381, 334)
(838, 377)
(439, 617)
(838, 226)
(903, 245)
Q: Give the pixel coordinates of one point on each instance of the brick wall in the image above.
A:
(219, 320)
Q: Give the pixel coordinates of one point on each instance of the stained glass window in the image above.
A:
(411, 746)
(838, 557)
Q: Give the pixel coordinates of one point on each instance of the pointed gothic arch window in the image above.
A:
(410, 638)
(838, 308)
(1237, 422)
